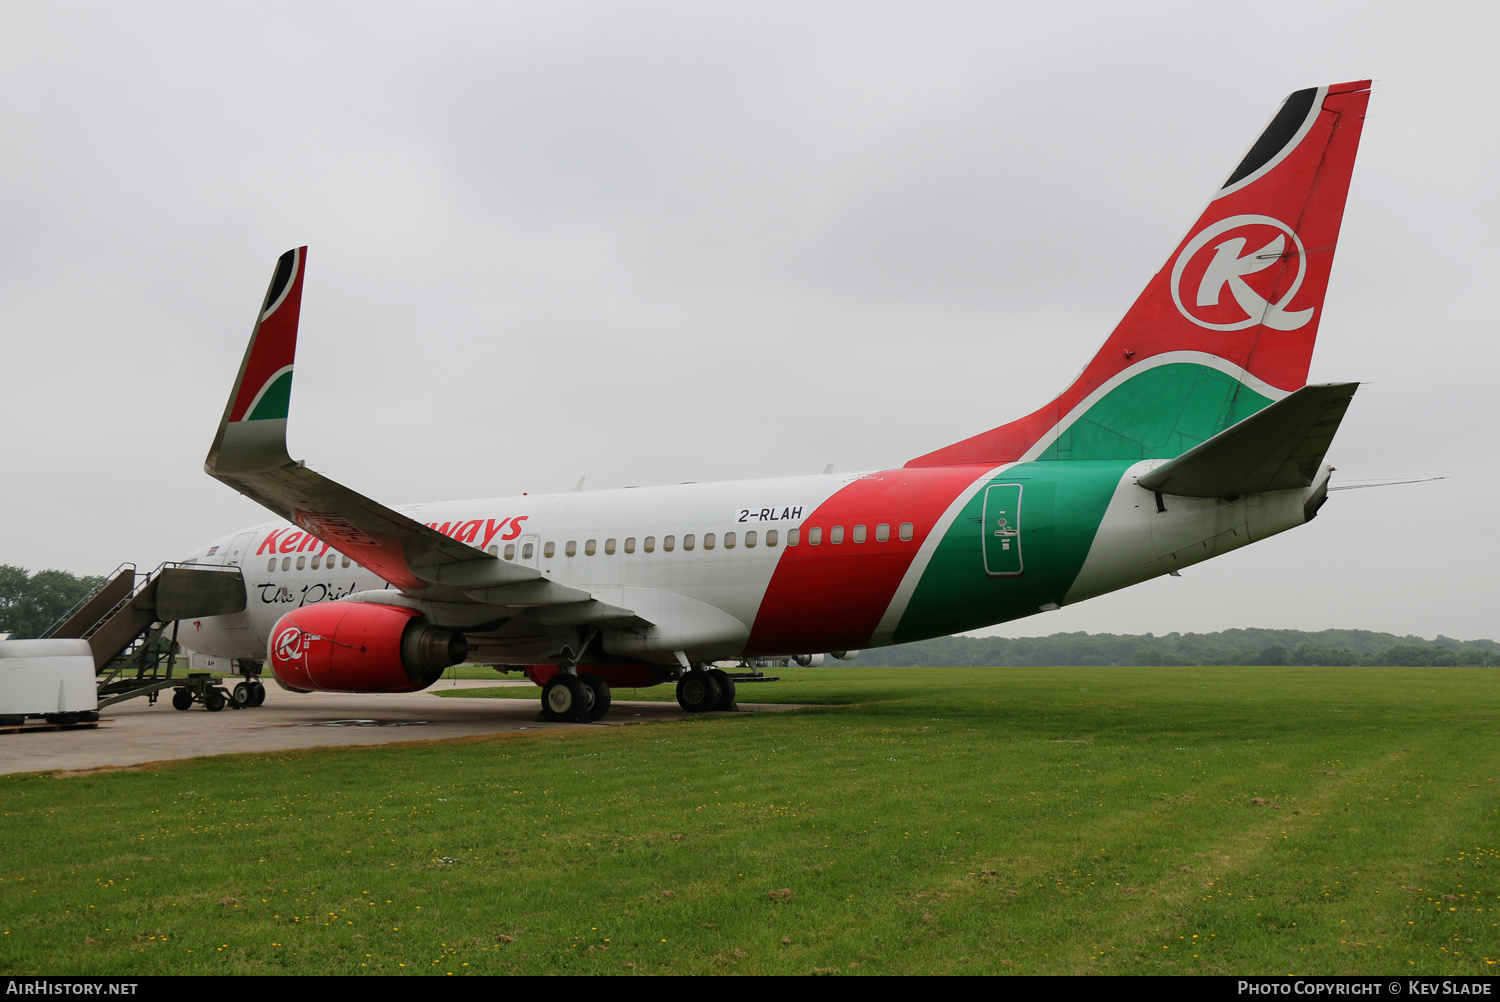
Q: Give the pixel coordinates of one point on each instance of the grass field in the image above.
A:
(987, 820)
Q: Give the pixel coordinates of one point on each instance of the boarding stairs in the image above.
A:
(126, 619)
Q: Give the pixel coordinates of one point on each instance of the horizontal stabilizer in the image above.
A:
(1278, 448)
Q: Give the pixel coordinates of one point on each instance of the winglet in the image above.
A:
(252, 433)
(249, 454)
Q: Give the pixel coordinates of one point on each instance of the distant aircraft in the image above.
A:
(1191, 433)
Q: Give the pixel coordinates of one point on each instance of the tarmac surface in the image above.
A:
(135, 732)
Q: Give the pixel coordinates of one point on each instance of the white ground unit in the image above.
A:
(46, 677)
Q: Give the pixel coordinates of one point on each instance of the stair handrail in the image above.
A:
(73, 609)
(142, 582)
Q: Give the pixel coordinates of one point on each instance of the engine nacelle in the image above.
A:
(361, 647)
(844, 655)
(809, 660)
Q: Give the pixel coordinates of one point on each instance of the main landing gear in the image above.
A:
(704, 690)
(575, 699)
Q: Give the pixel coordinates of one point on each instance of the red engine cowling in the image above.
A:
(618, 676)
(361, 647)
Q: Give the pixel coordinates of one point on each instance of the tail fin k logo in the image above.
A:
(1226, 276)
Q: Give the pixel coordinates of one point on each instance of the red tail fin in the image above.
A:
(1229, 322)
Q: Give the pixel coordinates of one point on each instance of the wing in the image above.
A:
(249, 454)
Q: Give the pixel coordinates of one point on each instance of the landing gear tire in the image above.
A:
(726, 690)
(182, 699)
(600, 689)
(257, 694)
(61, 719)
(567, 700)
(241, 696)
(698, 692)
(213, 702)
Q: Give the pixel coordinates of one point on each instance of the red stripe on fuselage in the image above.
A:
(830, 597)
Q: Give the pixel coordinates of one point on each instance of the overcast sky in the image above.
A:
(660, 242)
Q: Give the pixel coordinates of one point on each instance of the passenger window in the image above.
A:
(668, 542)
(629, 544)
(571, 549)
(859, 534)
(527, 551)
(272, 565)
(750, 538)
(346, 561)
(609, 547)
(793, 537)
(301, 563)
(882, 532)
(687, 541)
(286, 563)
(549, 548)
(649, 544)
(771, 536)
(906, 532)
(708, 540)
(493, 551)
(814, 535)
(728, 540)
(510, 551)
(836, 535)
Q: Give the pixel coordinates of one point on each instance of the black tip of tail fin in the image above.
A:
(286, 268)
(1278, 448)
(1282, 131)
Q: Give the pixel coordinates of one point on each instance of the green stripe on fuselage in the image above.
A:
(275, 402)
(1157, 414)
(1061, 507)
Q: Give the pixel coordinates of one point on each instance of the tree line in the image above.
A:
(30, 603)
(1227, 647)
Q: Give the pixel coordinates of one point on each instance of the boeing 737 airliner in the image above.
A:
(1191, 433)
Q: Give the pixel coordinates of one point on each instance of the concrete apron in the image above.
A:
(135, 732)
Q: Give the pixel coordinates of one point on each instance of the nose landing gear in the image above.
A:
(249, 693)
(201, 687)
